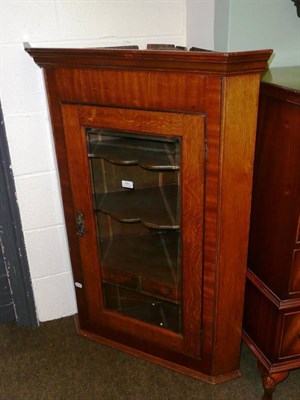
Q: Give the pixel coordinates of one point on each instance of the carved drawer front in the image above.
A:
(290, 344)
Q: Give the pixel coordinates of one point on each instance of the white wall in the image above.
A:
(235, 25)
(258, 24)
(221, 25)
(58, 23)
(200, 15)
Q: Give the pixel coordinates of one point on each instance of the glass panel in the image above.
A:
(145, 308)
(136, 189)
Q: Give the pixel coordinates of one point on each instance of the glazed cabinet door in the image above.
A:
(137, 180)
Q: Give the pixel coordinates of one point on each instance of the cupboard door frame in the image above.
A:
(190, 128)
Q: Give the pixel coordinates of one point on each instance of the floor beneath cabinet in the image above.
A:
(53, 362)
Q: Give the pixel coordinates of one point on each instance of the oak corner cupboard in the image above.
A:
(155, 151)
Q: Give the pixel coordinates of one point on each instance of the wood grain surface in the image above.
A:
(210, 101)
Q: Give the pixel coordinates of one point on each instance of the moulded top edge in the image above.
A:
(211, 62)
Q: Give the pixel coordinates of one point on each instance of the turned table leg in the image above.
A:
(270, 380)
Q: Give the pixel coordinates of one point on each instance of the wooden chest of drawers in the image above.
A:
(272, 305)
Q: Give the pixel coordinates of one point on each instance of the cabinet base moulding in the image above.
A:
(164, 363)
(272, 368)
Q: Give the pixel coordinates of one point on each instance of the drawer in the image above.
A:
(290, 343)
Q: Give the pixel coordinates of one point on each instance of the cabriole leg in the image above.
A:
(270, 380)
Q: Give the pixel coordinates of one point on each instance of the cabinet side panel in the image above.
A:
(239, 106)
(276, 195)
(261, 321)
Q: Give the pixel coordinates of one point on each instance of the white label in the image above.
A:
(79, 285)
(127, 184)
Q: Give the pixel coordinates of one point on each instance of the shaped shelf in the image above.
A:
(155, 207)
(148, 264)
(151, 155)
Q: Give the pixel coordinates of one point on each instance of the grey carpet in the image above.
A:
(53, 363)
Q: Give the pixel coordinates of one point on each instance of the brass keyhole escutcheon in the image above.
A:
(80, 228)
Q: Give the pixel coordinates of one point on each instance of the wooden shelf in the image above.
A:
(155, 207)
(148, 264)
(152, 155)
